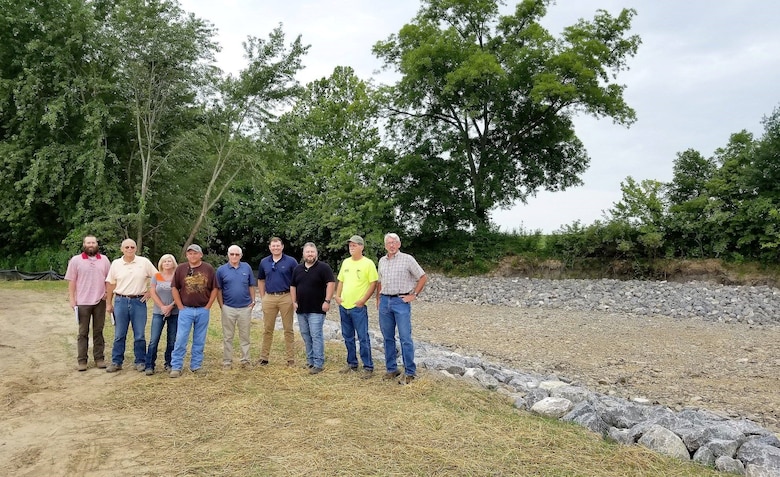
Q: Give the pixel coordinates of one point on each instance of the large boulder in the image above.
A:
(664, 441)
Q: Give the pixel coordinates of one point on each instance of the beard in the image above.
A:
(89, 250)
(309, 261)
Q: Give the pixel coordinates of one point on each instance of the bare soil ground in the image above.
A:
(52, 422)
(732, 369)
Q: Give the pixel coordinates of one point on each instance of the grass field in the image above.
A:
(277, 420)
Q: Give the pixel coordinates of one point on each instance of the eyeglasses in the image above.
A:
(234, 254)
(273, 267)
(190, 272)
(130, 247)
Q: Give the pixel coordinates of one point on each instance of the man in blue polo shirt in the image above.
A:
(236, 295)
(273, 283)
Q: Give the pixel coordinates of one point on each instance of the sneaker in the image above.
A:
(175, 373)
(262, 362)
(245, 365)
(367, 373)
(308, 366)
(227, 366)
(113, 368)
(315, 370)
(348, 369)
(140, 367)
(391, 375)
(406, 379)
(149, 371)
(167, 368)
(100, 364)
(199, 372)
(82, 367)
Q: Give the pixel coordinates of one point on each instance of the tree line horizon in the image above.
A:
(115, 121)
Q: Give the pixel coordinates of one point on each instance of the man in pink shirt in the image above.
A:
(86, 277)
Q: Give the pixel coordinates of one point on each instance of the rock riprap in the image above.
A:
(723, 303)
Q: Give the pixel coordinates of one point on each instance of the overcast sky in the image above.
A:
(705, 70)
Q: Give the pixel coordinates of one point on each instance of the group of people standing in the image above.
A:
(184, 293)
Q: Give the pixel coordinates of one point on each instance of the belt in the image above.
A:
(279, 293)
(128, 296)
(394, 296)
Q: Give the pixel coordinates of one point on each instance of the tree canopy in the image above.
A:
(486, 101)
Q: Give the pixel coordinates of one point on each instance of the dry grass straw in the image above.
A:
(276, 420)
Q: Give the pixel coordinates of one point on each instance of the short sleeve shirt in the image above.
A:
(89, 274)
(400, 274)
(235, 283)
(310, 285)
(356, 277)
(277, 275)
(195, 284)
(163, 289)
(130, 278)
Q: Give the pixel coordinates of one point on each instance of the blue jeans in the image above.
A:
(198, 320)
(158, 321)
(355, 320)
(394, 312)
(311, 332)
(129, 311)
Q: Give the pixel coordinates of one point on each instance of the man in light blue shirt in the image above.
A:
(236, 284)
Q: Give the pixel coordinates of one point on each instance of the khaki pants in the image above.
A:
(230, 318)
(273, 305)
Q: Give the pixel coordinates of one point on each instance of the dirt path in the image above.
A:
(53, 419)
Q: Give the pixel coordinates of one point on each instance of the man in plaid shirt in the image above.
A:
(401, 279)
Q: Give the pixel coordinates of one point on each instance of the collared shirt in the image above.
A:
(356, 277)
(400, 274)
(130, 278)
(277, 275)
(235, 283)
(89, 274)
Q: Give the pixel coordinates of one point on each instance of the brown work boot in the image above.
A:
(391, 375)
(100, 364)
(82, 366)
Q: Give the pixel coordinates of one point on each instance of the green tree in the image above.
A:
(691, 172)
(57, 132)
(643, 207)
(687, 221)
(339, 163)
(230, 142)
(487, 100)
(165, 58)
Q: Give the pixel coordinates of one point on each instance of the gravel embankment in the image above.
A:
(708, 301)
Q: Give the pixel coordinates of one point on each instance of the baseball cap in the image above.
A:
(356, 239)
(195, 247)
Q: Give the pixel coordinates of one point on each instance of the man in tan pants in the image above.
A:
(273, 283)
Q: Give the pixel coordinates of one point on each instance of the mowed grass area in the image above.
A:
(277, 420)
